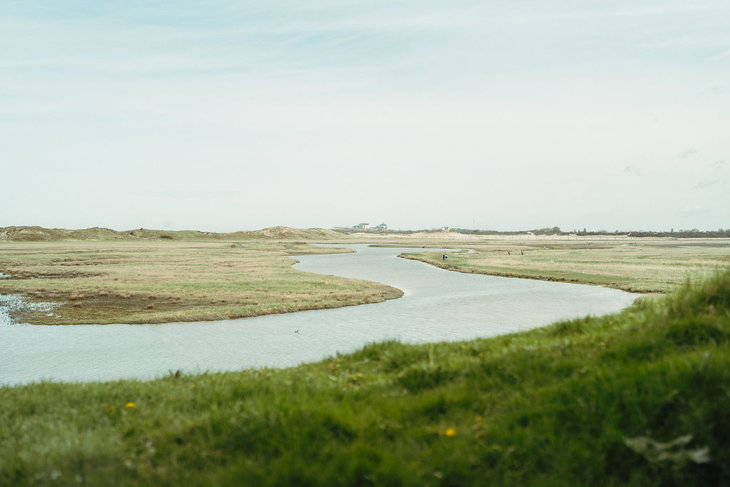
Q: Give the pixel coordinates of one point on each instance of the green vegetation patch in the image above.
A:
(635, 398)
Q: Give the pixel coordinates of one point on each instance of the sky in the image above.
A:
(491, 114)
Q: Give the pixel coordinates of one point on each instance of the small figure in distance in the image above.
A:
(509, 253)
(296, 331)
(522, 253)
(444, 257)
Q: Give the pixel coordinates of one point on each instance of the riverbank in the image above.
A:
(438, 306)
(162, 281)
(636, 265)
(634, 398)
(157, 280)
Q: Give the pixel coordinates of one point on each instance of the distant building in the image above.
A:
(382, 226)
(361, 226)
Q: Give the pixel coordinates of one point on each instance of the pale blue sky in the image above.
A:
(224, 115)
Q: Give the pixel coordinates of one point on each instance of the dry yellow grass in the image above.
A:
(161, 280)
(168, 281)
(638, 264)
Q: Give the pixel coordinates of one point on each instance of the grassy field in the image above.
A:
(166, 281)
(637, 265)
(145, 278)
(636, 398)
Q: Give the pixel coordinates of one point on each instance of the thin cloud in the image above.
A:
(186, 193)
(691, 152)
(722, 56)
(693, 209)
(707, 184)
(634, 170)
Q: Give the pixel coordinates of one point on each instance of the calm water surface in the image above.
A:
(438, 305)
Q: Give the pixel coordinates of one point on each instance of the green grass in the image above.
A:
(560, 405)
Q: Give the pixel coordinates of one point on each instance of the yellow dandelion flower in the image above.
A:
(450, 432)
(130, 405)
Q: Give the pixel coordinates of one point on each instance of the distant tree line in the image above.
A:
(685, 234)
(694, 233)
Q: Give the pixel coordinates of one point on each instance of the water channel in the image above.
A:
(438, 305)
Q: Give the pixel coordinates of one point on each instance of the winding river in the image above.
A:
(438, 305)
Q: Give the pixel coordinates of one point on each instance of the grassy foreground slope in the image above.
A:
(636, 398)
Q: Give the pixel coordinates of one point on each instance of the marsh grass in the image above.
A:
(164, 281)
(561, 405)
(156, 280)
(642, 265)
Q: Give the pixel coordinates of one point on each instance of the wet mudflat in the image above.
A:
(438, 305)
